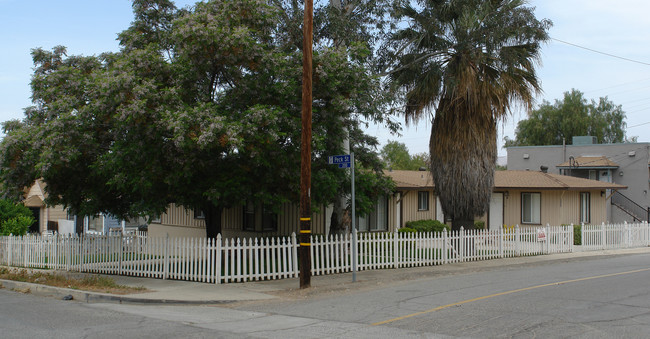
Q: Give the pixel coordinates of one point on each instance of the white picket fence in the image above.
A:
(237, 260)
(612, 236)
(394, 250)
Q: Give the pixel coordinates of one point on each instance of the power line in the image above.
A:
(637, 125)
(603, 53)
(619, 85)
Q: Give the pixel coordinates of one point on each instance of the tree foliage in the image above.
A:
(200, 107)
(469, 62)
(551, 124)
(396, 156)
(15, 218)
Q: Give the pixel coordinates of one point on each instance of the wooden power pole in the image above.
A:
(305, 165)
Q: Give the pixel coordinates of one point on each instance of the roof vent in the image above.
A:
(544, 169)
(631, 153)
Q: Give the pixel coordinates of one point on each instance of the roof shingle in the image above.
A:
(411, 180)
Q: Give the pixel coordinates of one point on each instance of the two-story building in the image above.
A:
(627, 164)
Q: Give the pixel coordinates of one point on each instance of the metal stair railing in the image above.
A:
(630, 207)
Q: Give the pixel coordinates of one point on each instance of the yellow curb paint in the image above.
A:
(504, 293)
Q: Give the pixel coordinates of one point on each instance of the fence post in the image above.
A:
(68, 252)
(166, 258)
(501, 242)
(395, 249)
(218, 259)
(628, 239)
(119, 267)
(547, 230)
(444, 245)
(461, 244)
(603, 236)
(10, 249)
(354, 254)
(517, 241)
(294, 254)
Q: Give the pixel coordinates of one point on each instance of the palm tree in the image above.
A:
(469, 62)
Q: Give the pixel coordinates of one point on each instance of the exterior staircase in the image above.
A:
(627, 205)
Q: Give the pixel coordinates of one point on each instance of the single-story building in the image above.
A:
(46, 217)
(525, 198)
(57, 219)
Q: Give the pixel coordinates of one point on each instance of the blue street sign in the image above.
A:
(342, 160)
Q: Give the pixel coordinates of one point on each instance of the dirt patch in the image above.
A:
(84, 282)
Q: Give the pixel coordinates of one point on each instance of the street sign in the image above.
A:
(347, 161)
(342, 160)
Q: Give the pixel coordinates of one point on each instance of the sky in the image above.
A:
(607, 32)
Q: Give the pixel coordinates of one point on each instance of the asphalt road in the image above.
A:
(597, 297)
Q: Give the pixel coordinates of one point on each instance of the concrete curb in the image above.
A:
(96, 297)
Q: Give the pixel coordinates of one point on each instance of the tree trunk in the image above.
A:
(212, 220)
(463, 160)
(336, 223)
(466, 223)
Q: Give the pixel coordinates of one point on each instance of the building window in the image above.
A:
(198, 214)
(423, 201)
(379, 217)
(593, 175)
(531, 208)
(585, 207)
(258, 217)
(377, 220)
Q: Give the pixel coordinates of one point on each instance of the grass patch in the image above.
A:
(85, 282)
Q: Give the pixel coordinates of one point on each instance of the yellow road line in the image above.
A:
(504, 293)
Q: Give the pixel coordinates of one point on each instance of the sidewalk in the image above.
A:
(194, 293)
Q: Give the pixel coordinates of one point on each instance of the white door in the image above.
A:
(496, 211)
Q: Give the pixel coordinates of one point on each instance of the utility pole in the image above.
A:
(305, 164)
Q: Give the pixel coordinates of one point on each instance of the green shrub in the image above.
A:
(427, 225)
(17, 226)
(577, 235)
(406, 230)
(479, 225)
(14, 217)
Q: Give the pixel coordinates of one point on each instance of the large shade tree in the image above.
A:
(469, 62)
(558, 122)
(200, 107)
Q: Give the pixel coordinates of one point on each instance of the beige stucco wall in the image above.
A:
(557, 207)
(409, 208)
(53, 213)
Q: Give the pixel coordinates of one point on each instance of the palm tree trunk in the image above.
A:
(463, 159)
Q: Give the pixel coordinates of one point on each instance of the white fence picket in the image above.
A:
(236, 260)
